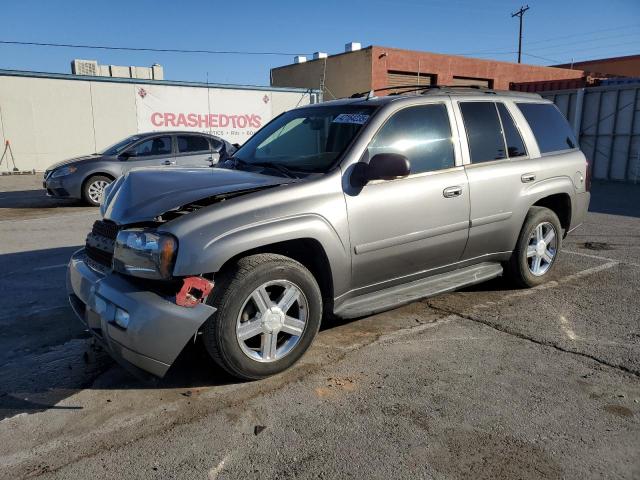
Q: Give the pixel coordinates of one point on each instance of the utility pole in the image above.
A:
(520, 14)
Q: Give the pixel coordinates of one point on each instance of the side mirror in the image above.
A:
(128, 154)
(387, 166)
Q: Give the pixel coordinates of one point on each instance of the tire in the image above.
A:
(234, 297)
(521, 268)
(91, 185)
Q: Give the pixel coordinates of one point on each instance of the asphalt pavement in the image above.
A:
(488, 382)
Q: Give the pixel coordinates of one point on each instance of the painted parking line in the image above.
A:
(598, 257)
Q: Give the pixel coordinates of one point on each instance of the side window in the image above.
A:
(515, 145)
(192, 143)
(484, 133)
(216, 145)
(422, 134)
(551, 129)
(153, 146)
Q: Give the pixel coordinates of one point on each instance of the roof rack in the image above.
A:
(413, 88)
(430, 88)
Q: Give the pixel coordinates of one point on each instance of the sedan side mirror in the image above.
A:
(388, 166)
(128, 154)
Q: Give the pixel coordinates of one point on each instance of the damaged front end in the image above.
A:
(121, 284)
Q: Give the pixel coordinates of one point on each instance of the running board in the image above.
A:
(392, 297)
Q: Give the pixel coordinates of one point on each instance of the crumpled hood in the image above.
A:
(144, 193)
(71, 161)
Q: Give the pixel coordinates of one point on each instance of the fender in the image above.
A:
(535, 193)
(221, 248)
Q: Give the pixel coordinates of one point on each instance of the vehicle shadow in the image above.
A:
(615, 199)
(46, 354)
(36, 198)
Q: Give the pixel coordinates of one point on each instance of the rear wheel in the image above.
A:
(537, 249)
(93, 189)
(269, 309)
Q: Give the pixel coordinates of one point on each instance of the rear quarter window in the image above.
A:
(549, 127)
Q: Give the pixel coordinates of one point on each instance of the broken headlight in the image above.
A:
(145, 253)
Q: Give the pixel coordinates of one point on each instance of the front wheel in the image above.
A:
(537, 249)
(93, 189)
(269, 309)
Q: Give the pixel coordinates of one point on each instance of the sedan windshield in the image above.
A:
(305, 140)
(117, 148)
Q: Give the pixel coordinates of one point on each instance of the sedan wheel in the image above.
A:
(94, 189)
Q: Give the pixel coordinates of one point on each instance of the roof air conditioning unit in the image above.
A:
(318, 55)
(352, 47)
(85, 67)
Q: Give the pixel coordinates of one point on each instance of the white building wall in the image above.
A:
(114, 112)
(46, 120)
(51, 119)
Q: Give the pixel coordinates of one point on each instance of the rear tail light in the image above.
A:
(587, 180)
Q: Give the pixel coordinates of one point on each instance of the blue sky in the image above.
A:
(555, 30)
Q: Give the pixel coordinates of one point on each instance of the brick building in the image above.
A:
(628, 66)
(358, 70)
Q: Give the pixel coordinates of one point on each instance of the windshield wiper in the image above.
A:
(277, 166)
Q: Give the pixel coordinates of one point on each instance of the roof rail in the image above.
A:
(425, 89)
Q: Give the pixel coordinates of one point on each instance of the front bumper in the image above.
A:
(158, 329)
(63, 187)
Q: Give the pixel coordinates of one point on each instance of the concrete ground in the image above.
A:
(489, 382)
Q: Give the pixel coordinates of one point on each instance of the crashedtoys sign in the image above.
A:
(232, 115)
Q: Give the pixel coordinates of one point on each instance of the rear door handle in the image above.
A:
(451, 192)
(528, 177)
(169, 162)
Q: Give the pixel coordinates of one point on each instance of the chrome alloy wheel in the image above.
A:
(96, 190)
(542, 248)
(271, 320)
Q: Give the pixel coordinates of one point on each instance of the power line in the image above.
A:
(551, 39)
(580, 42)
(582, 34)
(141, 49)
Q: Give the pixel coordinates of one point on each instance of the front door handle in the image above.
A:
(451, 192)
(169, 162)
(528, 177)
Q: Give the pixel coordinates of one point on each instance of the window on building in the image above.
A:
(484, 133)
(551, 129)
(153, 146)
(515, 145)
(192, 143)
(422, 134)
(473, 82)
(400, 79)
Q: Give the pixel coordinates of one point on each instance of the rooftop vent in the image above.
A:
(84, 67)
(352, 46)
(299, 59)
(318, 55)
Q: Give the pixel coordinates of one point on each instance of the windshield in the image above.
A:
(305, 140)
(116, 148)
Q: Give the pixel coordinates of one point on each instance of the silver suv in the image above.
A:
(343, 208)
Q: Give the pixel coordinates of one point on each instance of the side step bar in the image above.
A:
(392, 297)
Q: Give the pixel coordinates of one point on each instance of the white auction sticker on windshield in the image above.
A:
(357, 118)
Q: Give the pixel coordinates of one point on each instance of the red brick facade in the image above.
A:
(445, 67)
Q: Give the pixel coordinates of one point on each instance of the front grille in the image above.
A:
(105, 228)
(100, 256)
(101, 242)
